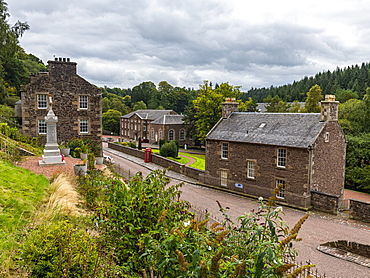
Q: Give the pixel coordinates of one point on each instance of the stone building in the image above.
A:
(76, 103)
(169, 127)
(254, 153)
(136, 124)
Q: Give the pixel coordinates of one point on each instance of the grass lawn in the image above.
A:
(200, 161)
(21, 191)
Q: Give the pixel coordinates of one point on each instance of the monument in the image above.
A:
(52, 156)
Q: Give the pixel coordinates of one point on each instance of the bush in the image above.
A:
(169, 149)
(58, 249)
(140, 209)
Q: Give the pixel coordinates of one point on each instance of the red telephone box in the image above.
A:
(148, 155)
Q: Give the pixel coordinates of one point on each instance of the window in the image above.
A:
(327, 137)
(281, 185)
(84, 126)
(83, 102)
(225, 150)
(152, 134)
(251, 169)
(182, 134)
(171, 135)
(160, 134)
(223, 174)
(42, 126)
(42, 102)
(281, 158)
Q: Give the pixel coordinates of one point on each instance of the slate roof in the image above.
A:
(148, 114)
(281, 129)
(169, 120)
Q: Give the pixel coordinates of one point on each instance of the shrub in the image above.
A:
(58, 249)
(169, 149)
(143, 207)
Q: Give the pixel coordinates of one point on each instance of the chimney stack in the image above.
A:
(229, 106)
(329, 109)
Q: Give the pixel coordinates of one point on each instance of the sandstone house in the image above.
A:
(154, 125)
(254, 153)
(75, 102)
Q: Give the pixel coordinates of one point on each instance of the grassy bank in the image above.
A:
(21, 192)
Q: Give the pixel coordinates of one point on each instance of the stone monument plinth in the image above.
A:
(52, 156)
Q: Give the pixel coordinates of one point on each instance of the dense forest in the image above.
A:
(355, 78)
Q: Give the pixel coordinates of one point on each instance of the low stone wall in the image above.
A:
(360, 210)
(162, 161)
(324, 202)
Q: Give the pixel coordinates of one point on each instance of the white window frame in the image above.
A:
(281, 157)
(182, 134)
(84, 102)
(171, 135)
(224, 150)
(41, 127)
(326, 137)
(251, 169)
(281, 193)
(223, 177)
(42, 101)
(84, 126)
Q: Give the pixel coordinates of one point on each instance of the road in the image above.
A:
(318, 229)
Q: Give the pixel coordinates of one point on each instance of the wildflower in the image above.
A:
(187, 223)
(260, 199)
(209, 248)
(279, 209)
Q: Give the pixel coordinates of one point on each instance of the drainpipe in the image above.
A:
(310, 160)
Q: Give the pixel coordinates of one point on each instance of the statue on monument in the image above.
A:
(51, 155)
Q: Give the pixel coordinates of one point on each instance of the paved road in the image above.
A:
(319, 228)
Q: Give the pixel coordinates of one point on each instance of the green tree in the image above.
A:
(344, 95)
(208, 106)
(140, 105)
(250, 105)
(111, 120)
(295, 107)
(314, 96)
(276, 104)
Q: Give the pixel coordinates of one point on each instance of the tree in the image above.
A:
(250, 105)
(140, 105)
(295, 107)
(314, 96)
(111, 120)
(276, 104)
(208, 106)
(343, 95)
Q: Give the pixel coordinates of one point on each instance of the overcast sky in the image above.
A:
(121, 43)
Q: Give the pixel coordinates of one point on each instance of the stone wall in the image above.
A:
(325, 202)
(295, 174)
(162, 161)
(360, 210)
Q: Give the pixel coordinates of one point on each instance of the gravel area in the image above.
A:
(32, 164)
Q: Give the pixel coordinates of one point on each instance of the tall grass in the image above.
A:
(62, 199)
